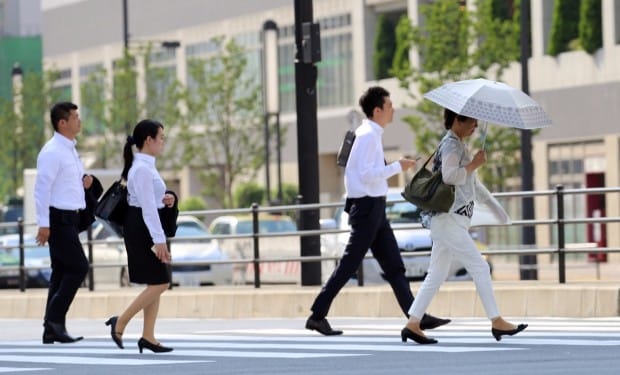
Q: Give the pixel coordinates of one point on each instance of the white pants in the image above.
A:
(451, 238)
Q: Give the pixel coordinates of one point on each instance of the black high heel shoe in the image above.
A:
(406, 333)
(155, 348)
(498, 333)
(116, 336)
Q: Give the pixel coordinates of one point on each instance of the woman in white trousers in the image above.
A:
(450, 230)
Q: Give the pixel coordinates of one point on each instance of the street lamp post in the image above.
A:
(17, 80)
(169, 44)
(271, 100)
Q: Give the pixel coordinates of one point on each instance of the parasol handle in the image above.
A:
(483, 136)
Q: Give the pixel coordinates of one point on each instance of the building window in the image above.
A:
(335, 80)
(568, 165)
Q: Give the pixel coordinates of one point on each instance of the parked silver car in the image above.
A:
(190, 245)
(411, 237)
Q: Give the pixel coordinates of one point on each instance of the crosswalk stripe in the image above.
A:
(17, 369)
(90, 360)
(185, 353)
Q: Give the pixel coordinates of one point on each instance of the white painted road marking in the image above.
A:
(359, 340)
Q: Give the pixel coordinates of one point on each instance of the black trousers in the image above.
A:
(69, 263)
(370, 229)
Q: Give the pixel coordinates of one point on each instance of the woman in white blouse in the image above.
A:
(450, 230)
(145, 240)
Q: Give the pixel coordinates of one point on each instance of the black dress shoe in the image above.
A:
(116, 336)
(321, 326)
(406, 333)
(498, 333)
(155, 348)
(56, 332)
(429, 322)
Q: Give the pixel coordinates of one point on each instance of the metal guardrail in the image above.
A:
(560, 221)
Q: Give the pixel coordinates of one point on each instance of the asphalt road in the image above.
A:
(283, 346)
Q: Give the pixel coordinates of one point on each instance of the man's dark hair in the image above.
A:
(373, 98)
(61, 111)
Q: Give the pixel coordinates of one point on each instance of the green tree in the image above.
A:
(23, 133)
(192, 204)
(443, 43)
(225, 100)
(248, 193)
(108, 120)
(110, 112)
(384, 48)
(564, 25)
(94, 112)
(590, 25)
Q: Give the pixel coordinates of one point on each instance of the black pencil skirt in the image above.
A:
(144, 266)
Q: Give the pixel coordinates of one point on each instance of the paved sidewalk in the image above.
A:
(455, 299)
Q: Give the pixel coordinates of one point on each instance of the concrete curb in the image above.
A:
(455, 299)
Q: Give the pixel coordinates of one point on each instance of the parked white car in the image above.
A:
(190, 245)
(269, 247)
(402, 215)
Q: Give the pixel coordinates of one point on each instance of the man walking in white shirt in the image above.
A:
(365, 181)
(59, 198)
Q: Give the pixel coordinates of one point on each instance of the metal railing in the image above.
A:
(559, 221)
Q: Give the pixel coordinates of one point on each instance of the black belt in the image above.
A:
(381, 198)
(68, 212)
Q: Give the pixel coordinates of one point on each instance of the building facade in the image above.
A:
(580, 92)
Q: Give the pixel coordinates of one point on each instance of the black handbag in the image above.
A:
(112, 207)
(428, 191)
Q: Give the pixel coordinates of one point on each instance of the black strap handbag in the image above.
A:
(112, 207)
(428, 191)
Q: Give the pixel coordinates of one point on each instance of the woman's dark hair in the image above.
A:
(61, 111)
(448, 118)
(373, 97)
(142, 130)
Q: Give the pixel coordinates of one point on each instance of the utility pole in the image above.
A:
(308, 52)
(126, 45)
(527, 263)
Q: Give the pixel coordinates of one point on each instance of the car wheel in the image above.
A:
(124, 279)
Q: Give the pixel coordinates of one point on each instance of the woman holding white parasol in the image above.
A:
(465, 103)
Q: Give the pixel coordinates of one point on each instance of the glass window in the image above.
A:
(158, 81)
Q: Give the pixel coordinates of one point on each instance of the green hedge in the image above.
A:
(590, 25)
(384, 48)
(565, 25)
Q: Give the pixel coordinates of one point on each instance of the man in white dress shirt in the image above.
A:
(365, 180)
(59, 198)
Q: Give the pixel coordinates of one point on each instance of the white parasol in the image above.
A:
(491, 101)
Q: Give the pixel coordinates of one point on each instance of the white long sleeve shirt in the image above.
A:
(59, 178)
(366, 173)
(146, 189)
